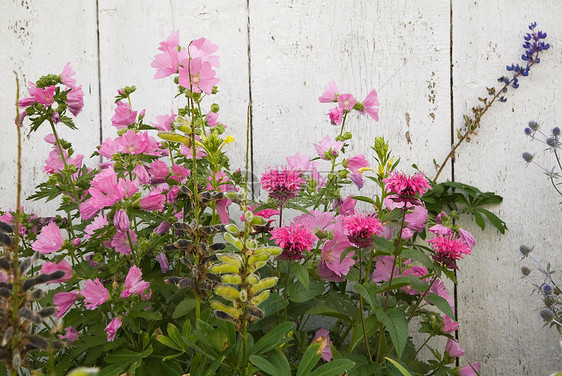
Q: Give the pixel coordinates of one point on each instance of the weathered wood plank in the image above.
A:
(499, 322)
(39, 38)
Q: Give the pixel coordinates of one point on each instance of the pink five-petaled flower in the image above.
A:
(330, 93)
(112, 328)
(361, 228)
(454, 349)
(75, 100)
(122, 242)
(282, 185)
(331, 266)
(71, 335)
(405, 185)
(204, 49)
(121, 220)
(299, 162)
(153, 201)
(294, 239)
(49, 240)
(51, 267)
(328, 148)
(449, 326)
(336, 115)
(371, 105)
(448, 249)
(323, 335)
(124, 116)
(166, 63)
(469, 370)
(67, 76)
(199, 77)
(346, 102)
(94, 294)
(44, 96)
(63, 301)
(164, 122)
(133, 283)
(467, 238)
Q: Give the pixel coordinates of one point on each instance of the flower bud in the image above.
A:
(547, 289)
(533, 125)
(215, 108)
(556, 131)
(528, 157)
(525, 250)
(547, 314)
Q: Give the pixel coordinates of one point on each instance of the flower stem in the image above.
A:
(361, 311)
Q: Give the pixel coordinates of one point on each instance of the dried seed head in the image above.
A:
(5, 227)
(525, 270)
(547, 314)
(525, 250)
(5, 264)
(5, 240)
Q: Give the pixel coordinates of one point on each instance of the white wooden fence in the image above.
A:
(429, 61)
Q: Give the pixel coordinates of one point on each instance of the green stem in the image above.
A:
(422, 346)
(361, 311)
(66, 172)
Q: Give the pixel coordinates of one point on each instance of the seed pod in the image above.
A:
(57, 345)
(6, 228)
(230, 259)
(202, 248)
(234, 241)
(217, 246)
(35, 342)
(225, 316)
(258, 265)
(243, 295)
(255, 313)
(16, 359)
(272, 251)
(232, 195)
(172, 280)
(182, 226)
(185, 190)
(35, 294)
(251, 244)
(42, 278)
(5, 264)
(27, 262)
(174, 137)
(252, 279)
(248, 216)
(47, 311)
(224, 268)
(185, 282)
(231, 279)
(232, 228)
(3, 354)
(264, 284)
(258, 221)
(211, 258)
(7, 336)
(5, 292)
(257, 300)
(27, 314)
(222, 307)
(5, 240)
(227, 292)
(260, 258)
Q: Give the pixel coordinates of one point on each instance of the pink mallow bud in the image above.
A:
(121, 220)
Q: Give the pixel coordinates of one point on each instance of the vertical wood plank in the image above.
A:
(499, 322)
(39, 38)
(130, 32)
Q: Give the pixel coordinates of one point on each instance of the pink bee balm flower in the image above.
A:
(63, 301)
(332, 267)
(124, 116)
(153, 201)
(121, 242)
(328, 148)
(448, 250)
(361, 228)
(282, 185)
(404, 185)
(454, 349)
(470, 370)
(336, 115)
(199, 77)
(330, 93)
(112, 328)
(324, 335)
(371, 105)
(294, 239)
(71, 335)
(51, 267)
(133, 283)
(75, 100)
(49, 240)
(346, 102)
(67, 76)
(94, 294)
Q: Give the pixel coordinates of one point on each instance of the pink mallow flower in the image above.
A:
(336, 115)
(133, 283)
(121, 220)
(94, 294)
(467, 238)
(51, 267)
(330, 93)
(199, 77)
(346, 102)
(331, 266)
(75, 100)
(44, 96)
(327, 148)
(112, 328)
(454, 349)
(282, 185)
(121, 242)
(67, 76)
(448, 250)
(63, 301)
(371, 105)
(153, 201)
(71, 335)
(361, 228)
(167, 62)
(299, 162)
(449, 326)
(49, 240)
(163, 261)
(405, 185)
(294, 239)
(164, 122)
(470, 370)
(204, 49)
(124, 116)
(323, 335)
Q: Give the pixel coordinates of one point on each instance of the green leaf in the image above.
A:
(272, 339)
(400, 367)
(384, 245)
(371, 325)
(417, 255)
(280, 362)
(397, 326)
(324, 310)
(334, 368)
(311, 356)
(84, 372)
(175, 335)
(440, 303)
(369, 292)
(265, 365)
(298, 207)
(397, 283)
(495, 220)
(183, 308)
(166, 341)
(417, 284)
(301, 273)
(122, 356)
(364, 199)
(114, 369)
(172, 368)
(299, 294)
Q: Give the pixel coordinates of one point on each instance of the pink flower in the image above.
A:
(314, 174)
(112, 328)
(453, 348)
(63, 301)
(469, 370)
(336, 115)
(438, 288)
(361, 228)
(328, 148)
(282, 185)
(159, 171)
(332, 267)
(49, 240)
(94, 294)
(99, 222)
(371, 105)
(299, 162)
(204, 49)
(347, 206)
(75, 100)
(440, 230)
(357, 179)
(405, 185)
(71, 335)
(357, 162)
(124, 116)
(133, 283)
(153, 201)
(383, 268)
(330, 93)
(319, 220)
(449, 326)
(121, 220)
(121, 242)
(67, 76)
(467, 238)
(109, 147)
(141, 174)
(51, 267)
(294, 239)
(44, 96)
(321, 335)
(163, 261)
(162, 228)
(346, 102)
(164, 122)
(180, 172)
(448, 250)
(407, 233)
(166, 63)
(199, 77)
(415, 220)
(136, 143)
(211, 119)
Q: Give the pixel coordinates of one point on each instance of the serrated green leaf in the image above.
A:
(334, 368)
(368, 291)
(441, 304)
(395, 322)
(417, 255)
(301, 273)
